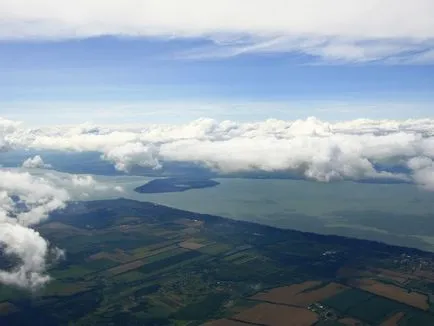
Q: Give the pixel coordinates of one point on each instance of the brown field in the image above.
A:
(294, 294)
(191, 245)
(7, 308)
(224, 322)
(394, 320)
(393, 292)
(350, 321)
(393, 275)
(277, 315)
(100, 255)
(143, 253)
(126, 267)
(290, 290)
(118, 256)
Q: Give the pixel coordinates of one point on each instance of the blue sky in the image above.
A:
(89, 76)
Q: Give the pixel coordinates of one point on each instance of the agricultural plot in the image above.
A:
(345, 300)
(417, 318)
(277, 315)
(118, 255)
(413, 299)
(205, 309)
(125, 267)
(191, 245)
(215, 249)
(393, 275)
(169, 261)
(224, 322)
(393, 320)
(376, 310)
(300, 295)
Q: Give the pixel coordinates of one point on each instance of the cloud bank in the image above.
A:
(338, 30)
(313, 149)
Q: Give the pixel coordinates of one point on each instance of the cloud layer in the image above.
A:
(311, 148)
(348, 30)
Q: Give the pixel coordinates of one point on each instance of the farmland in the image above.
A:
(300, 294)
(277, 315)
(393, 292)
(134, 263)
(394, 320)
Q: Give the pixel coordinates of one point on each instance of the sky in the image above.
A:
(168, 61)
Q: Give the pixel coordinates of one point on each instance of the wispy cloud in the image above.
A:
(323, 50)
(334, 30)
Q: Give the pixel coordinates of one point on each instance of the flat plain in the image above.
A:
(137, 263)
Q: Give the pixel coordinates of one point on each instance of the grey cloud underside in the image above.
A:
(312, 149)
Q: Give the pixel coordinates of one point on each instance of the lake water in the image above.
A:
(399, 214)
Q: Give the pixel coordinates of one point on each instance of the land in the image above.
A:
(177, 184)
(138, 263)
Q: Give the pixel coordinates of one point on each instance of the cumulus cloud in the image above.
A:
(126, 156)
(423, 171)
(348, 30)
(6, 127)
(26, 200)
(31, 249)
(311, 148)
(35, 162)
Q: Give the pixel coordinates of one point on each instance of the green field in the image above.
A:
(342, 302)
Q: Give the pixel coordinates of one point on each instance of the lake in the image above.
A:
(400, 214)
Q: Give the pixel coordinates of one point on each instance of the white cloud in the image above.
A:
(31, 249)
(6, 127)
(35, 162)
(126, 156)
(25, 201)
(348, 30)
(423, 171)
(311, 148)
